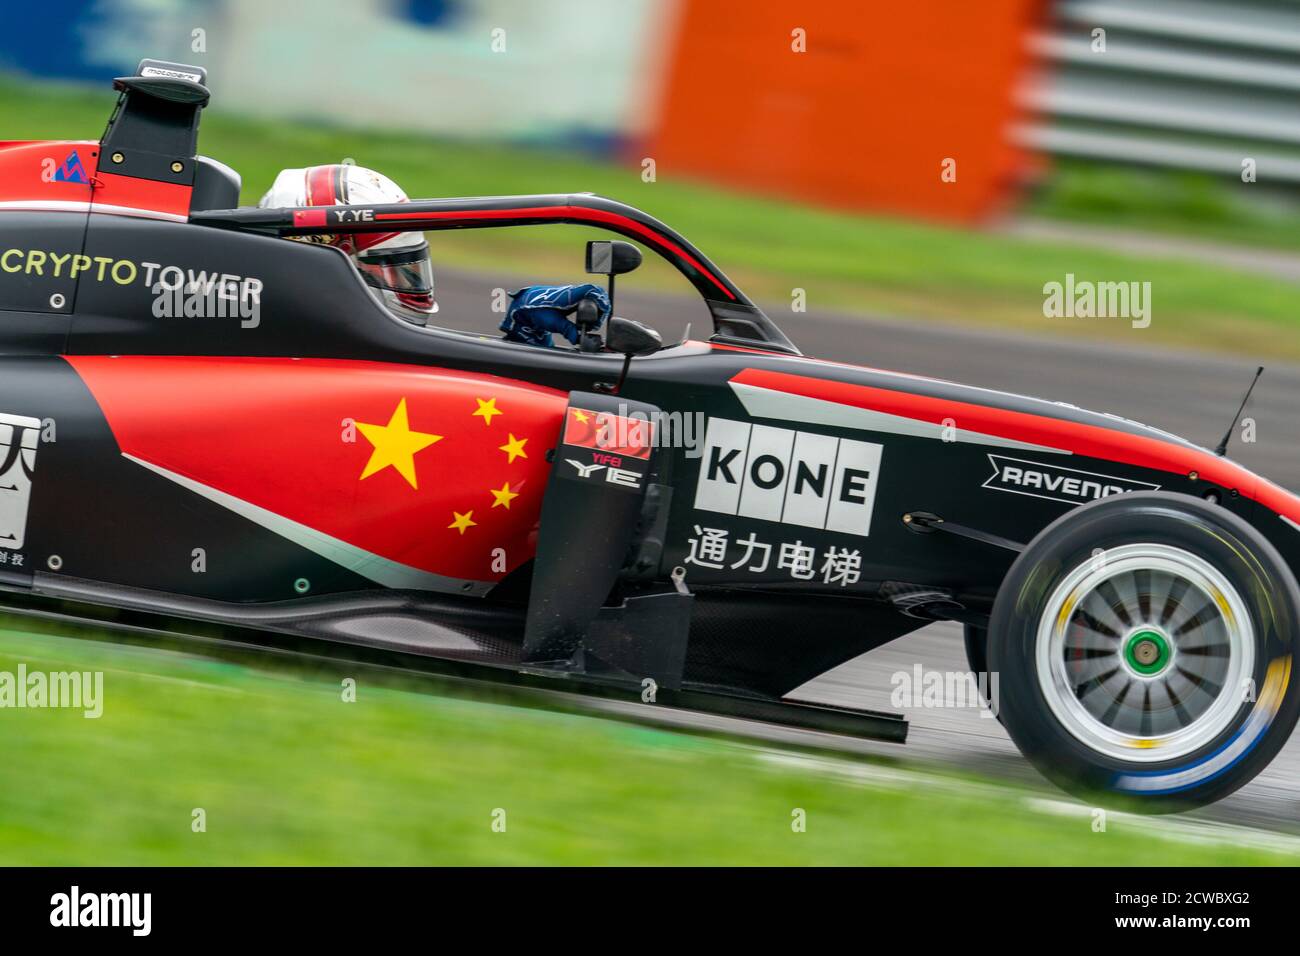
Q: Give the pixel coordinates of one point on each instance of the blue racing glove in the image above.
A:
(538, 311)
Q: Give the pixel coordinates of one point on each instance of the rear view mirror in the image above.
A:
(631, 338)
(611, 257)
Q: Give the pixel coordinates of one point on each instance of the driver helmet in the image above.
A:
(395, 264)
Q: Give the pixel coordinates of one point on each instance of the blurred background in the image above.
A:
(936, 161)
(895, 184)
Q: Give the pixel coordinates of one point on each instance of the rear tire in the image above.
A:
(1144, 647)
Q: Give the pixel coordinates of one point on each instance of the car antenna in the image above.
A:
(1222, 448)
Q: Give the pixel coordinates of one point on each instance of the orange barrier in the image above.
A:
(865, 117)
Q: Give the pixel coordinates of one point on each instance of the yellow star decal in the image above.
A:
(503, 495)
(395, 445)
(462, 521)
(581, 416)
(486, 409)
(514, 448)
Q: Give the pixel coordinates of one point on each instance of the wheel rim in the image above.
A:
(1142, 652)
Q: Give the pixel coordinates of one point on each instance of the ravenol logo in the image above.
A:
(800, 478)
(72, 171)
(1038, 479)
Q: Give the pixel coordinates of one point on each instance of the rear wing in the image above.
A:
(154, 130)
(152, 138)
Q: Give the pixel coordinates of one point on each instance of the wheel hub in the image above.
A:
(1147, 651)
(1141, 651)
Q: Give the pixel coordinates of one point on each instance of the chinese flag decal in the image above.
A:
(395, 445)
(514, 448)
(430, 468)
(607, 432)
(486, 409)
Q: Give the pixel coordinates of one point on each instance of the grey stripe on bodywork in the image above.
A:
(784, 406)
(381, 570)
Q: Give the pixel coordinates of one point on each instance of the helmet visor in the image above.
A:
(408, 274)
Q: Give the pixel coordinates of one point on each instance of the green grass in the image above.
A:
(288, 773)
(868, 264)
(1179, 203)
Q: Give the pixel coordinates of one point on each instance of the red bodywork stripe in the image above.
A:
(573, 212)
(1092, 441)
(113, 189)
(724, 347)
(22, 168)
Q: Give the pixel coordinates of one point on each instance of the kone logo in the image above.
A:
(801, 478)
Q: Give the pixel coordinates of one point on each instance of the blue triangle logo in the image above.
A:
(72, 171)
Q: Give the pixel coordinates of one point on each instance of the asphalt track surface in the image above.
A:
(1191, 394)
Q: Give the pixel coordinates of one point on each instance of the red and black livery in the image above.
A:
(311, 464)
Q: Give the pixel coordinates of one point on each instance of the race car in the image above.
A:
(202, 421)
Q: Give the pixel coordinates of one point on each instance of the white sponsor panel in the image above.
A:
(763, 493)
(725, 445)
(810, 480)
(787, 476)
(854, 491)
(18, 439)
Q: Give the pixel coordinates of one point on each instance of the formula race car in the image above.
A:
(205, 422)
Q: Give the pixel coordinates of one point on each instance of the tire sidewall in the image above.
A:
(1250, 564)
